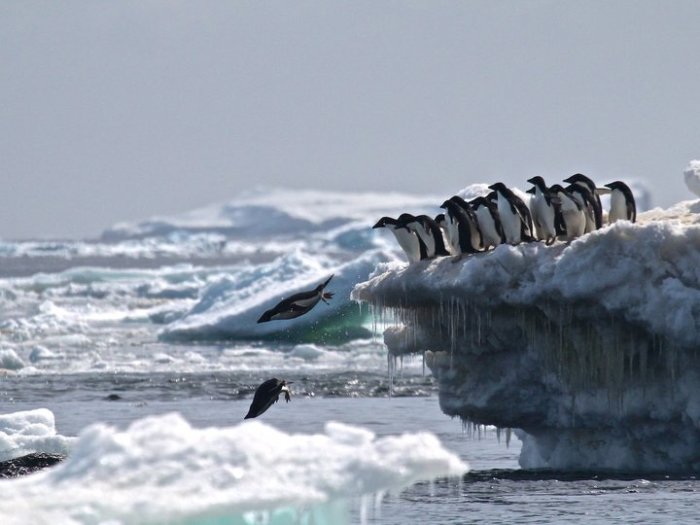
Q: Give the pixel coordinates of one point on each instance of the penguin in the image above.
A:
(514, 213)
(544, 210)
(409, 241)
(429, 232)
(467, 227)
(588, 203)
(442, 223)
(477, 237)
(622, 205)
(489, 222)
(581, 180)
(267, 394)
(572, 213)
(297, 304)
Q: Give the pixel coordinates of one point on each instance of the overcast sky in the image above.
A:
(113, 111)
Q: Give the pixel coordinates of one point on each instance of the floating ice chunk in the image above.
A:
(23, 433)
(161, 470)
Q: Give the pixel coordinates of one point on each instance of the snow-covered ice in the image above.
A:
(162, 470)
(31, 431)
(588, 348)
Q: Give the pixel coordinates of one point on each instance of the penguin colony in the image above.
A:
(554, 213)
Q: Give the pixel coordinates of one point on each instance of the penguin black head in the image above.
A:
(404, 220)
(556, 188)
(538, 182)
(618, 185)
(384, 221)
(440, 217)
(479, 201)
(321, 286)
(581, 179)
(498, 186)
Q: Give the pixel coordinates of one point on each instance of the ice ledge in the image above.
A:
(589, 348)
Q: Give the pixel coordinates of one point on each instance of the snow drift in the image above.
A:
(590, 349)
(162, 470)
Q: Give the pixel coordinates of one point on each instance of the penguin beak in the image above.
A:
(289, 382)
(329, 280)
(378, 225)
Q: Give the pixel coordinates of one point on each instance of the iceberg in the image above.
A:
(588, 350)
(162, 470)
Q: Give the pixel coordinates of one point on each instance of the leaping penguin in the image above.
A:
(544, 210)
(409, 241)
(579, 179)
(297, 304)
(267, 394)
(514, 213)
(622, 205)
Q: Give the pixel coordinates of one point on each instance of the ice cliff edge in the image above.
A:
(589, 350)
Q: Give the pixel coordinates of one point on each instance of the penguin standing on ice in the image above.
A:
(489, 221)
(515, 215)
(442, 223)
(544, 210)
(477, 237)
(267, 394)
(297, 304)
(581, 181)
(572, 213)
(622, 205)
(468, 235)
(410, 243)
(429, 232)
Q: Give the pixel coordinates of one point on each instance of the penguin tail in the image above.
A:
(267, 316)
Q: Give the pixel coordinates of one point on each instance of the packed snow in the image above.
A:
(692, 177)
(162, 470)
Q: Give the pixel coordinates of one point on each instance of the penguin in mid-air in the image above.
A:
(429, 232)
(267, 394)
(622, 205)
(572, 213)
(544, 210)
(297, 304)
(515, 215)
(489, 221)
(580, 180)
(410, 243)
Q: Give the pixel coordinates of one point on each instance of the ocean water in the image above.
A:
(159, 318)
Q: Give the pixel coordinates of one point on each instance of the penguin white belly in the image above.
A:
(510, 221)
(426, 237)
(453, 231)
(618, 207)
(487, 227)
(311, 301)
(587, 211)
(574, 218)
(408, 242)
(543, 217)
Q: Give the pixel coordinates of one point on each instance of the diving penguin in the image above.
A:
(622, 205)
(267, 394)
(297, 304)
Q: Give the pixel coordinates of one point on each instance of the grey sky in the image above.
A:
(113, 111)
